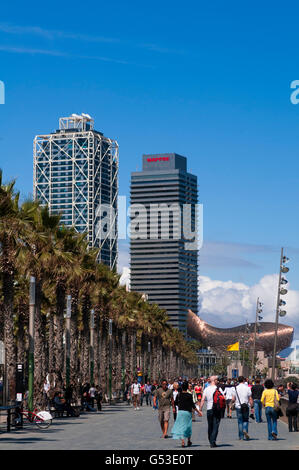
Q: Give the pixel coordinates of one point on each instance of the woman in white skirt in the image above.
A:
(182, 428)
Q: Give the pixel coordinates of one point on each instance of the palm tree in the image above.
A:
(33, 243)
(61, 263)
(12, 229)
(21, 318)
(35, 260)
(81, 274)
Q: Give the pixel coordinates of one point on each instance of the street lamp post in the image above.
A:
(149, 360)
(279, 313)
(31, 343)
(256, 325)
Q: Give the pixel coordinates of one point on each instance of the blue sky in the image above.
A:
(211, 82)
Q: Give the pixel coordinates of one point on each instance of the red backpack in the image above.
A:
(218, 400)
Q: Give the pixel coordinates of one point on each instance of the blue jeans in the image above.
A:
(213, 425)
(271, 421)
(258, 410)
(243, 419)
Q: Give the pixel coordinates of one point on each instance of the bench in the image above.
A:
(64, 413)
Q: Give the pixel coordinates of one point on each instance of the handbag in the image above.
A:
(277, 406)
(244, 407)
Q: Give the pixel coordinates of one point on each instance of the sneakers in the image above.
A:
(246, 435)
(138, 408)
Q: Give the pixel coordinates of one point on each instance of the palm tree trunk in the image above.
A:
(123, 363)
(9, 340)
(104, 355)
(59, 358)
(97, 348)
(119, 361)
(51, 342)
(85, 346)
(154, 367)
(74, 341)
(39, 372)
(171, 364)
(133, 354)
(21, 338)
(128, 357)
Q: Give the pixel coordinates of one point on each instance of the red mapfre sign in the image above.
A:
(158, 159)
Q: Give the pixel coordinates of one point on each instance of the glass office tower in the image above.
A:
(75, 174)
(163, 264)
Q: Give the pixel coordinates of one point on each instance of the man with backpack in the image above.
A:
(242, 398)
(215, 404)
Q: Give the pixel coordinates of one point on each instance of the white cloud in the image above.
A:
(226, 304)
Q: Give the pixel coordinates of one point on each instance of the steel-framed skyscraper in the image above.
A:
(76, 174)
(163, 265)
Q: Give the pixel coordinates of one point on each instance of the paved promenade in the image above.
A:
(120, 427)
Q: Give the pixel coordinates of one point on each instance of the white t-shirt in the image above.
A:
(208, 395)
(244, 393)
(175, 394)
(228, 392)
(136, 389)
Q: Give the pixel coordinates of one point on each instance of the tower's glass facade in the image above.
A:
(75, 174)
(163, 265)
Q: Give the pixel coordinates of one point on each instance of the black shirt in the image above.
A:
(293, 396)
(185, 402)
(257, 391)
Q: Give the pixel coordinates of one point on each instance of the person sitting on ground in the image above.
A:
(87, 402)
(61, 405)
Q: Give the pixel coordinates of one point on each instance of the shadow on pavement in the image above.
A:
(24, 440)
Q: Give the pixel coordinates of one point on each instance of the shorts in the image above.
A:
(228, 401)
(164, 415)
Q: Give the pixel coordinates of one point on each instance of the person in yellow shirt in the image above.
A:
(269, 399)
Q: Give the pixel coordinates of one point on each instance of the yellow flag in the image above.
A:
(233, 347)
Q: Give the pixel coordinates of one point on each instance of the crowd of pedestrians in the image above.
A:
(184, 399)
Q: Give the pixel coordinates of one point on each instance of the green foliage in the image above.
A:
(60, 260)
(290, 378)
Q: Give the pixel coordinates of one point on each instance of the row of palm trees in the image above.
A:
(33, 243)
